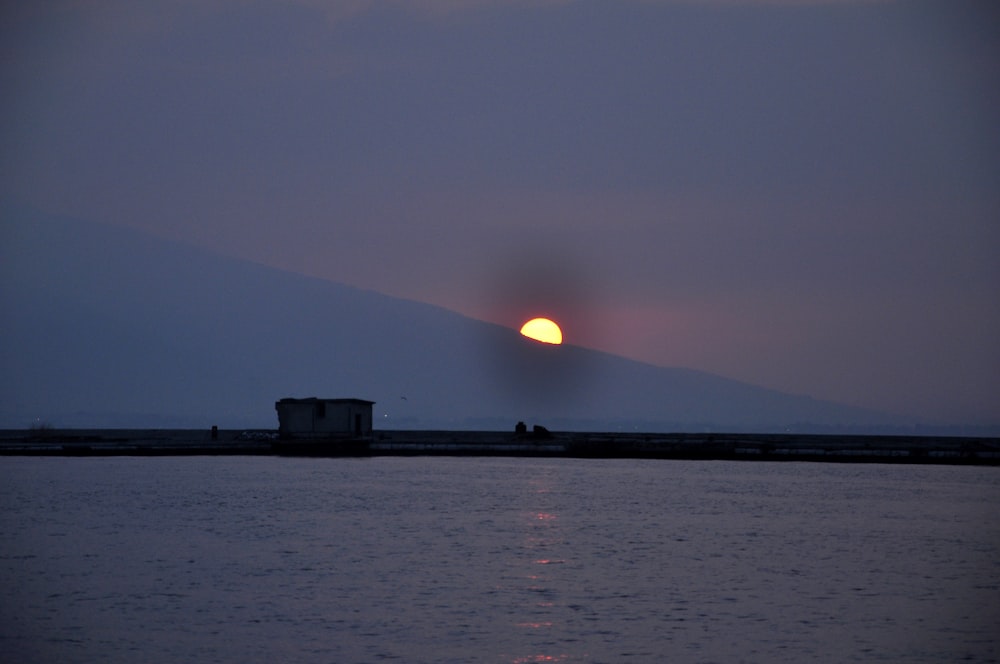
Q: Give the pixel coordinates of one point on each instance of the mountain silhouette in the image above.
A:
(110, 327)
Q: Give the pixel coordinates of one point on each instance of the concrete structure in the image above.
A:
(955, 450)
(324, 419)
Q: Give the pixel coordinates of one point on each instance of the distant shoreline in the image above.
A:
(704, 446)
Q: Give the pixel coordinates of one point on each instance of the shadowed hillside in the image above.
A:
(105, 326)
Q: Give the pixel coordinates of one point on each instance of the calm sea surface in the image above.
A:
(257, 559)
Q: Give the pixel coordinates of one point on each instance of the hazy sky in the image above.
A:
(803, 194)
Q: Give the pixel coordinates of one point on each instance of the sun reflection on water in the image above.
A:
(542, 539)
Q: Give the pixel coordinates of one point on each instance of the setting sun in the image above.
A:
(542, 329)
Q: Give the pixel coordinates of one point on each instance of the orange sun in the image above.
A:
(542, 329)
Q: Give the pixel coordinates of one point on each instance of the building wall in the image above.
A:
(324, 417)
(295, 418)
(341, 418)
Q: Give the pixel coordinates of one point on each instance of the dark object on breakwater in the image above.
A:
(538, 432)
(720, 446)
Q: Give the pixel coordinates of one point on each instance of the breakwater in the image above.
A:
(730, 446)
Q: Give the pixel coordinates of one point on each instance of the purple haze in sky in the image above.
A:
(802, 195)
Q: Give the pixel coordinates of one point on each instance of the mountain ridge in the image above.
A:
(110, 326)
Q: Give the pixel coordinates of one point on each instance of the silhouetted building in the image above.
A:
(324, 418)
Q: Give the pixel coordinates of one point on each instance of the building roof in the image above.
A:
(317, 400)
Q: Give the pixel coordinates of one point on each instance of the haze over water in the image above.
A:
(496, 560)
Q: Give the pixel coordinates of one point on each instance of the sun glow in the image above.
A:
(542, 329)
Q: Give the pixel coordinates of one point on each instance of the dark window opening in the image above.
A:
(321, 410)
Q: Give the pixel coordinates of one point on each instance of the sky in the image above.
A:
(804, 195)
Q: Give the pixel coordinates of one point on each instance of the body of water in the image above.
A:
(263, 559)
